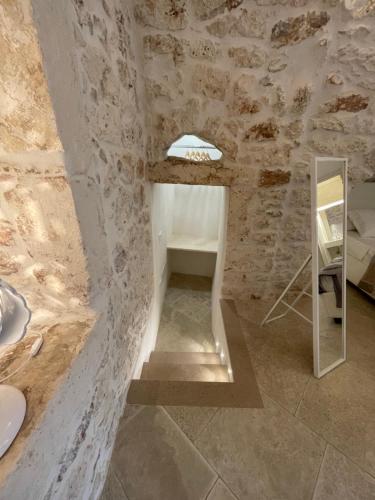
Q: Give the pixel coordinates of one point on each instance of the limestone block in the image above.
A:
(276, 177)
(164, 44)
(300, 198)
(359, 64)
(242, 105)
(296, 29)
(244, 57)
(6, 233)
(8, 265)
(187, 115)
(168, 130)
(222, 26)
(250, 24)
(266, 81)
(279, 100)
(243, 102)
(155, 89)
(301, 99)
(233, 127)
(294, 130)
(211, 127)
(120, 258)
(351, 103)
(161, 14)
(210, 82)
(27, 120)
(335, 144)
(335, 79)
(244, 85)
(228, 146)
(276, 65)
(268, 155)
(264, 131)
(177, 171)
(203, 49)
(328, 123)
(207, 9)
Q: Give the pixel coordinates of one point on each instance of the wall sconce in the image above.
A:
(14, 318)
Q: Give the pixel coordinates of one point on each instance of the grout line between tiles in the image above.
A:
(320, 436)
(331, 444)
(201, 454)
(320, 468)
(121, 483)
(210, 490)
(229, 489)
(129, 419)
(303, 395)
(372, 476)
(122, 486)
(206, 425)
(190, 442)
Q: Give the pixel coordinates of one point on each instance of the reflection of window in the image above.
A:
(330, 217)
(193, 148)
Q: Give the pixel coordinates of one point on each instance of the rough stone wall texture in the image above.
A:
(40, 244)
(93, 69)
(27, 121)
(272, 83)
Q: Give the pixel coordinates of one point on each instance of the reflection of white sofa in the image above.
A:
(360, 251)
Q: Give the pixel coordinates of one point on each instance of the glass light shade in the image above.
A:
(14, 315)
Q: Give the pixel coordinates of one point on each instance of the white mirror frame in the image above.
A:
(315, 269)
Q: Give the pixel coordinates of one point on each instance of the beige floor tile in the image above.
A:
(341, 408)
(185, 323)
(220, 492)
(130, 411)
(263, 454)
(282, 358)
(340, 479)
(154, 460)
(113, 489)
(361, 330)
(191, 419)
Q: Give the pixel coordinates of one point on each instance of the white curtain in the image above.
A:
(197, 211)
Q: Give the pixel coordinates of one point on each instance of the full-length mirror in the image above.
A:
(329, 262)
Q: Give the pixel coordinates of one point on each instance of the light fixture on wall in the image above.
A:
(14, 318)
(360, 8)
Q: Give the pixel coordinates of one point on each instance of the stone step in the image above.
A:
(187, 358)
(187, 372)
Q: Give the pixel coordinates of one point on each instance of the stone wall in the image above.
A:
(93, 67)
(27, 122)
(40, 246)
(272, 83)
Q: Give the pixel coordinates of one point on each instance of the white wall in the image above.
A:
(162, 200)
(192, 262)
(196, 210)
(217, 320)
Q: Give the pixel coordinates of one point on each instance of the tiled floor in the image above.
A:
(314, 440)
(185, 323)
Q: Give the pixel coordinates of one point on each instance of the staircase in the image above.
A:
(199, 378)
(188, 366)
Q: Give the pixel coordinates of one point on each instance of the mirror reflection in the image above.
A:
(329, 320)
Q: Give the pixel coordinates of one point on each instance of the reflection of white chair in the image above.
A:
(14, 318)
